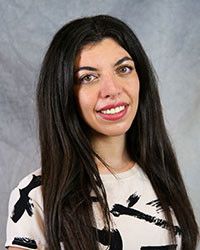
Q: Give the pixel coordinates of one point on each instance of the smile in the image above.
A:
(113, 110)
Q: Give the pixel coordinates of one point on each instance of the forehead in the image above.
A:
(105, 50)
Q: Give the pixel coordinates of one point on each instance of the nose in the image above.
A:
(110, 87)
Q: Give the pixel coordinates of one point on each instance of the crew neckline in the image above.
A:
(120, 176)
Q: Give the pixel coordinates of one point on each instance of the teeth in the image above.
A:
(113, 110)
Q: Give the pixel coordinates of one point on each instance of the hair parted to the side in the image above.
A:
(69, 172)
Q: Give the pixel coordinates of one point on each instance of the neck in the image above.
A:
(112, 149)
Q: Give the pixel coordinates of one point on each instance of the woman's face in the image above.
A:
(107, 87)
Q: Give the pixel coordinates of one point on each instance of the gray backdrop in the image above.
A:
(170, 33)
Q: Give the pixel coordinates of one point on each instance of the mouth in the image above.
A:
(113, 111)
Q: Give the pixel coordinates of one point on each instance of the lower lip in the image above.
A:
(113, 117)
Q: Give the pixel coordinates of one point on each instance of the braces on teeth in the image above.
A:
(113, 110)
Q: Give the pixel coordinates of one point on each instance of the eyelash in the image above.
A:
(130, 69)
(82, 79)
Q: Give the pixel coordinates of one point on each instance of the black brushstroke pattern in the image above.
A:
(23, 204)
(133, 199)
(25, 242)
(168, 247)
(157, 204)
(116, 240)
(119, 210)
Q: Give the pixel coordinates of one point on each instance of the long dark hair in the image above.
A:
(69, 172)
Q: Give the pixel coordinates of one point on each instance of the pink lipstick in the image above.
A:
(114, 111)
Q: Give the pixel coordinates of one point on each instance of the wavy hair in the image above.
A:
(69, 172)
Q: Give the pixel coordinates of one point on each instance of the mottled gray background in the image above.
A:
(170, 33)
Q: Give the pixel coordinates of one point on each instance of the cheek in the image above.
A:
(86, 101)
(134, 88)
(137, 86)
(137, 89)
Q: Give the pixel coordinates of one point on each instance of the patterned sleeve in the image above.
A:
(25, 227)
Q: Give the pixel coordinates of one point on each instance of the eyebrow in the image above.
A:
(86, 68)
(120, 61)
(126, 58)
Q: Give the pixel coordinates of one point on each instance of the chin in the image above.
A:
(114, 131)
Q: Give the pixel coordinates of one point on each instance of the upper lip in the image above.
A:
(115, 105)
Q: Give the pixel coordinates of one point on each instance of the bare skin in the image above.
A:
(106, 79)
(113, 151)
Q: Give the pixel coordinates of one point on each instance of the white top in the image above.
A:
(138, 219)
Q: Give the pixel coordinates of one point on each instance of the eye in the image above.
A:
(87, 78)
(125, 69)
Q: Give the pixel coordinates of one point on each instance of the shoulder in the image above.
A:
(34, 177)
(26, 213)
(29, 188)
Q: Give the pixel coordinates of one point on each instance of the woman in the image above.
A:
(109, 176)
